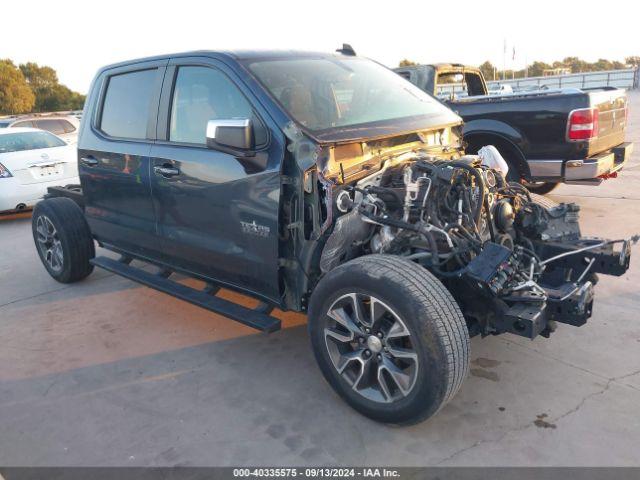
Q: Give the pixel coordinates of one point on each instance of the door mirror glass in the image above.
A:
(234, 133)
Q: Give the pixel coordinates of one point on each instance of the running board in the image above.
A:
(258, 318)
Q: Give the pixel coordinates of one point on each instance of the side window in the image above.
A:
(53, 126)
(126, 104)
(68, 127)
(474, 84)
(202, 94)
(27, 124)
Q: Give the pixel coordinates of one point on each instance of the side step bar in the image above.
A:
(258, 318)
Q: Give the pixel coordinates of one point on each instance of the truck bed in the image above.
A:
(542, 117)
(74, 192)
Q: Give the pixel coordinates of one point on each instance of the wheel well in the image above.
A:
(510, 151)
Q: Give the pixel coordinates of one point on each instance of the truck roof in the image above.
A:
(441, 66)
(238, 55)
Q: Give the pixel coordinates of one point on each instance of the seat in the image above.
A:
(297, 100)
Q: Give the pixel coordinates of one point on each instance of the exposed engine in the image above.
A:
(481, 236)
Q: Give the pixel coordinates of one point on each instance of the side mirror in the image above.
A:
(234, 134)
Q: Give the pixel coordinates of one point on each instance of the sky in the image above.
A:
(78, 37)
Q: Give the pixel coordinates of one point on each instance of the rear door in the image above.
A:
(114, 160)
(217, 213)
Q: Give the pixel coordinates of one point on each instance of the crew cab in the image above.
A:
(546, 136)
(325, 184)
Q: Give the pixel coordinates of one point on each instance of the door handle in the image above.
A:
(89, 161)
(166, 171)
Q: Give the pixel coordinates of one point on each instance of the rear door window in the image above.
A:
(125, 110)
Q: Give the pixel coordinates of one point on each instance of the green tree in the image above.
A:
(407, 63)
(50, 95)
(536, 68)
(39, 77)
(575, 64)
(15, 94)
(632, 61)
(77, 101)
(602, 64)
(487, 70)
(44, 83)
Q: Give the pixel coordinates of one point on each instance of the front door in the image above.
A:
(217, 213)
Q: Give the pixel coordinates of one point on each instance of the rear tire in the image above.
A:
(63, 239)
(423, 353)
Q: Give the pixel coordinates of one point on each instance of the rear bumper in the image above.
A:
(589, 171)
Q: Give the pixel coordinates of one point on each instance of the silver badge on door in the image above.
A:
(254, 229)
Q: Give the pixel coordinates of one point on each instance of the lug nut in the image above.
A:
(379, 357)
(368, 330)
(367, 353)
(379, 334)
(361, 340)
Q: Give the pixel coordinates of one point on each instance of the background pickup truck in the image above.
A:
(547, 136)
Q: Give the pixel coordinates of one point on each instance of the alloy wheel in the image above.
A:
(371, 347)
(49, 243)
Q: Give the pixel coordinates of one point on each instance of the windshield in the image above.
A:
(17, 142)
(4, 124)
(329, 94)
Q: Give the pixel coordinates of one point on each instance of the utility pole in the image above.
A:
(504, 59)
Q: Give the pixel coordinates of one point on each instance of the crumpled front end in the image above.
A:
(515, 262)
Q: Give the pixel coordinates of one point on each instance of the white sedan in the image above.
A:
(30, 161)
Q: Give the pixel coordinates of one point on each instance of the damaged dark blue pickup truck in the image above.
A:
(326, 184)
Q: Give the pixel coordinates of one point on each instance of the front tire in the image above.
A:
(389, 338)
(63, 239)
